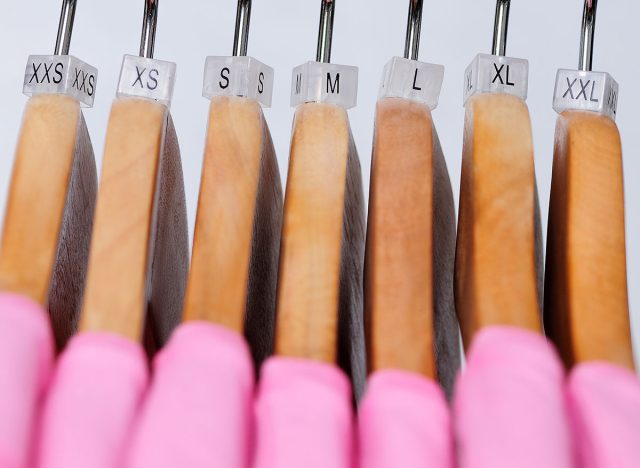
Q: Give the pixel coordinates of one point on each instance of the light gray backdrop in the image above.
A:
(367, 34)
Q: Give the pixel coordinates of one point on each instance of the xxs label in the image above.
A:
(60, 74)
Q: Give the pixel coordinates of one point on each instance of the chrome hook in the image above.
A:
(243, 17)
(501, 27)
(414, 25)
(587, 34)
(65, 27)
(325, 35)
(149, 24)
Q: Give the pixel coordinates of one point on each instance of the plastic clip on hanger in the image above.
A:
(198, 408)
(586, 305)
(304, 413)
(512, 372)
(45, 240)
(404, 417)
(138, 262)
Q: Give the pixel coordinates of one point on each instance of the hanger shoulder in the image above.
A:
(141, 194)
(234, 263)
(586, 303)
(50, 209)
(322, 247)
(498, 258)
(410, 243)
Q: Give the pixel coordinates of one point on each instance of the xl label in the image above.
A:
(495, 74)
(60, 74)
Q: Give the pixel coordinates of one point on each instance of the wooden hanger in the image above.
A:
(319, 303)
(410, 317)
(139, 248)
(234, 263)
(498, 254)
(51, 200)
(586, 303)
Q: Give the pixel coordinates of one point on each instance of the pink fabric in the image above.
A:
(304, 416)
(404, 421)
(198, 411)
(509, 404)
(26, 361)
(605, 407)
(92, 402)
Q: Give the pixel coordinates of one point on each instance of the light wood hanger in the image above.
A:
(139, 252)
(410, 319)
(498, 276)
(233, 276)
(586, 304)
(51, 200)
(319, 301)
(410, 247)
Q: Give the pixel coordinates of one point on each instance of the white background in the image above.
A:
(367, 34)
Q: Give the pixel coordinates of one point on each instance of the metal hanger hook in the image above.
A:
(414, 24)
(65, 27)
(243, 18)
(325, 35)
(501, 27)
(149, 24)
(587, 34)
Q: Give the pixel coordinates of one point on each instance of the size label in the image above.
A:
(494, 74)
(325, 82)
(409, 79)
(238, 76)
(147, 78)
(588, 91)
(60, 74)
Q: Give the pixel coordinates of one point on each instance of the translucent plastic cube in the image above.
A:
(409, 79)
(587, 91)
(238, 76)
(325, 82)
(61, 74)
(147, 78)
(494, 74)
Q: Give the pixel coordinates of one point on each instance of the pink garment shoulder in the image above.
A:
(604, 400)
(509, 403)
(26, 362)
(404, 421)
(198, 410)
(92, 402)
(304, 416)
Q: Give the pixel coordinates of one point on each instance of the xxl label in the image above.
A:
(147, 78)
(589, 91)
(412, 80)
(494, 74)
(61, 74)
(238, 76)
(325, 82)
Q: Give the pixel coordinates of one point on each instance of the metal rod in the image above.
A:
(65, 27)
(243, 17)
(325, 35)
(414, 24)
(149, 23)
(501, 27)
(587, 34)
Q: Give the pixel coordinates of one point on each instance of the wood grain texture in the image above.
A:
(139, 249)
(410, 248)
(234, 265)
(319, 305)
(586, 304)
(50, 210)
(498, 258)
